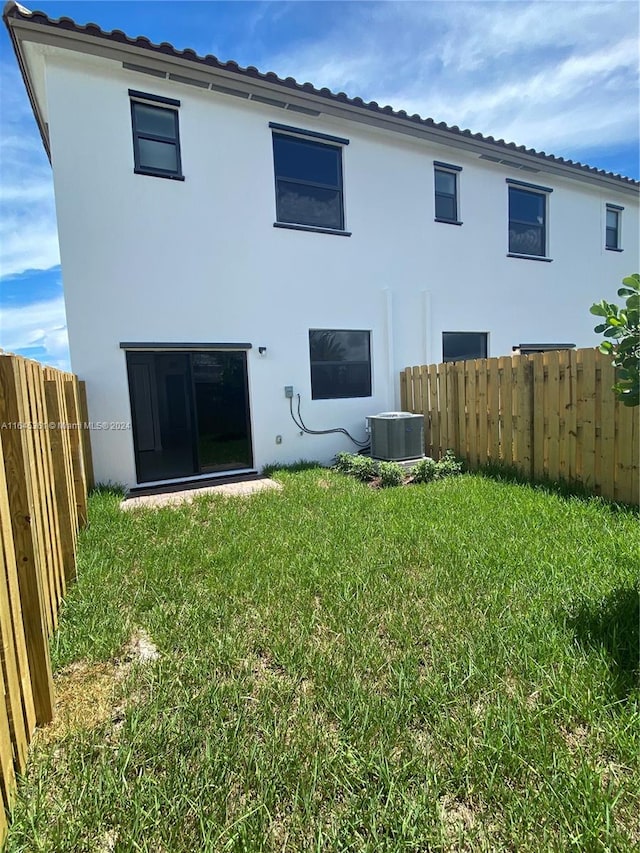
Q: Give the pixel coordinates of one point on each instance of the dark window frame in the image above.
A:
(368, 386)
(312, 140)
(532, 349)
(447, 169)
(615, 243)
(540, 192)
(482, 335)
(167, 105)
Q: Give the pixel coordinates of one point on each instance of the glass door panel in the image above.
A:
(222, 410)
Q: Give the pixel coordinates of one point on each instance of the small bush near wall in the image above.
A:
(391, 474)
(385, 474)
(425, 471)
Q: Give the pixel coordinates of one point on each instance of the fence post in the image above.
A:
(20, 512)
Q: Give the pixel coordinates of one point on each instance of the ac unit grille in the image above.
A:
(396, 436)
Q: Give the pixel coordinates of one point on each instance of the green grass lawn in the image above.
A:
(450, 666)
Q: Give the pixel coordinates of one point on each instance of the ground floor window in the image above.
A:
(460, 346)
(340, 363)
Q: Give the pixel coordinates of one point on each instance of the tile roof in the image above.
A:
(16, 11)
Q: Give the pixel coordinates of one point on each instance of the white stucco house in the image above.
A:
(226, 234)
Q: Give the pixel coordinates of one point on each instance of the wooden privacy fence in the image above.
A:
(45, 471)
(551, 415)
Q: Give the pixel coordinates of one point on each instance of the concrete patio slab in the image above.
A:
(242, 489)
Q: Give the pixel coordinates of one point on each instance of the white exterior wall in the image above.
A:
(149, 259)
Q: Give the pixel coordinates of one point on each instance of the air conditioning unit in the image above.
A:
(396, 435)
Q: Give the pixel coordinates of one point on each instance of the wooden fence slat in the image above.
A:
(3, 827)
(635, 462)
(472, 415)
(87, 456)
(79, 481)
(444, 410)
(570, 407)
(524, 384)
(623, 446)
(553, 413)
(462, 410)
(493, 400)
(404, 405)
(417, 389)
(59, 484)
(14, 642)
(29, 575)
(451, 396)
(506, 398)
(587, 358)
(434, 426)
(539, 404)
(66, 451)
(607, 427)
(482, 412)
(12, 730)
(14, 668)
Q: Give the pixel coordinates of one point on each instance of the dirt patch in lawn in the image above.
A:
(88, 694)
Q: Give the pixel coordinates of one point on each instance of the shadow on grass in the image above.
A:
(612, 624)
(301, 465)
(564, 489)
(115, 489)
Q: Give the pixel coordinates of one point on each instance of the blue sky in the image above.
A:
(558, 76)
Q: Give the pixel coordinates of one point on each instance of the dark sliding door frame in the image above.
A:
(191, 411)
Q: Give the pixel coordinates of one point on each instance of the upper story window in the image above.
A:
(156, 137)
(528, 220)
(446, 192)
(308, 175)
(340, 363)
(461, 346)
(612, 237)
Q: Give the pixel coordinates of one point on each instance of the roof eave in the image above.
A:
(26, 79)
(164, 59)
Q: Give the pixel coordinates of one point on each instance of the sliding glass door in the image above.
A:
(190, 413)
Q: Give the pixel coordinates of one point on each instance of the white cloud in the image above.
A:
(39, 325)
(28, 233)
(558, 76)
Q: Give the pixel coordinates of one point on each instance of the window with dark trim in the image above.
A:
(612, 236)
(446, 192)
(156, 138)
(308, 177)
(527, 222)
(340, 363)
(461, 346)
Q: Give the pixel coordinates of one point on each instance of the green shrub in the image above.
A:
(343, 462)
(425, 471)
(448, 466)
(391, 474)
(363, 468)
